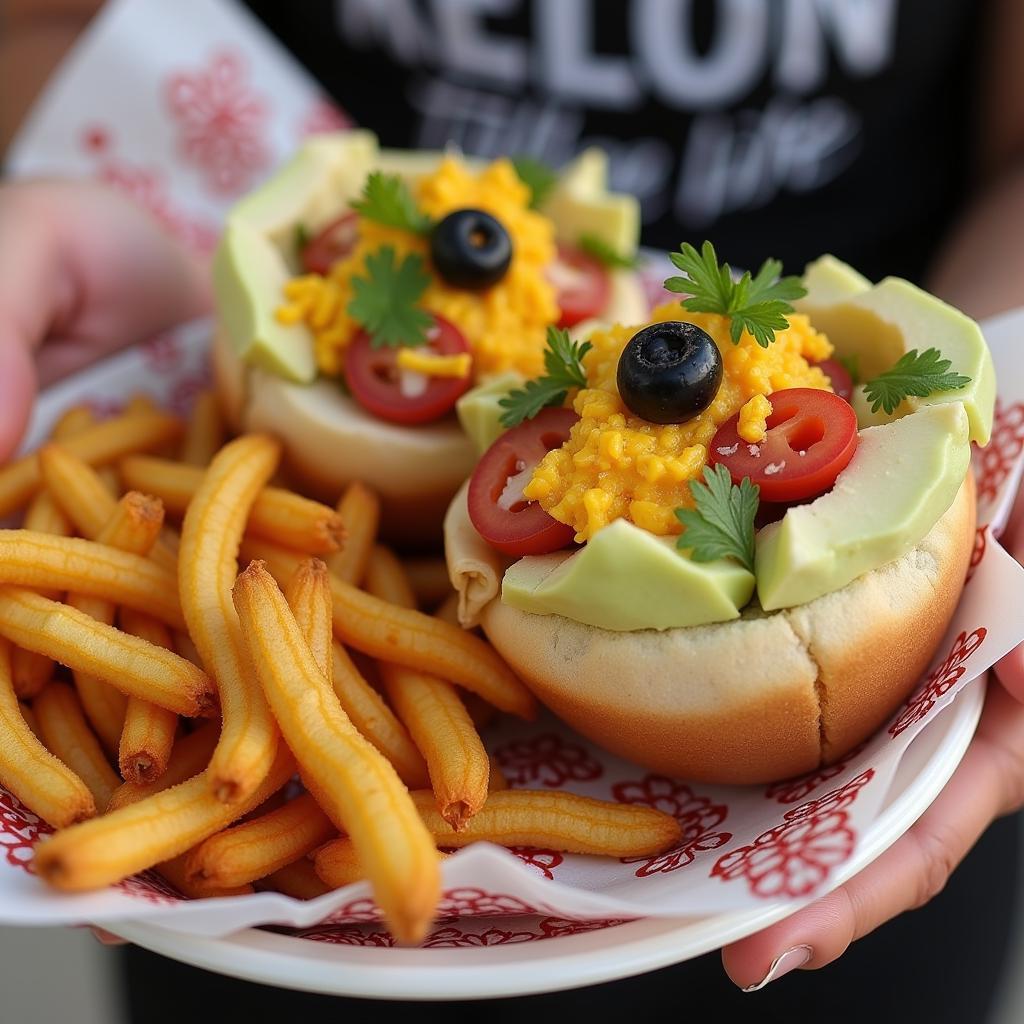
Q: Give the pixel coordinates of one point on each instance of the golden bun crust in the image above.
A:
(759, 699)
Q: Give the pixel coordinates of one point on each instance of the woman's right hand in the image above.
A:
(83, 271)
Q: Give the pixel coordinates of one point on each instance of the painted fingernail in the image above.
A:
(791, 960)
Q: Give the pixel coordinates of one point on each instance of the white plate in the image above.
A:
(525, 968)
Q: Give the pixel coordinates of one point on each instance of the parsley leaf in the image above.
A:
(722, 524)
(563, 365)
(604, 253)
(915, 373)
(537, 177)
(387, 200)
(384, 302)
(756, 304)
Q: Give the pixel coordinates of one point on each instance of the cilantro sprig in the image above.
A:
(384, 301)
(915, 373)
(604, 253)
(387, 200)
(537, 176)
(722, 524)
(563, 370)
(757, 304)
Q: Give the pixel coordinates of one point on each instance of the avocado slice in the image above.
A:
(903, 477)
(625, 579)
(479, 412)
(580, 204)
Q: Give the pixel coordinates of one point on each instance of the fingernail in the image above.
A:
(791, 960)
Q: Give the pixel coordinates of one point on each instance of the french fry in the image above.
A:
(206, 571)
(356, 787)
(257, 848)
(429, 580)
(189, 757)
(85, 645)
(431, 710)
(38, 779)
(30, 719)
(31, 672)
(45, 516)
(154, 830)
(408, 637)
(149, 730)
(133, 526)
(204, 432)
(309, 596)
(85, 498)
(298, 880)
(99, 444)
(41, 561)
(173, 871)
(67, 736)
(276, 514)
(72, 421)
(359, 508)
(497, 780)
(337, 864)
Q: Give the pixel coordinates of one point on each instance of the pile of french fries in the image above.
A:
(157, 707)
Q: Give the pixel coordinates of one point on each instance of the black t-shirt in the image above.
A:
(773, 127)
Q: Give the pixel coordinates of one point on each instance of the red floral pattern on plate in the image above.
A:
(996, 459)
(150, 887)
(796, 857)
(698, 816)
(545, 861)
(221, 122)
(20, 829)
(454, 903)
(978, 552)
(941, 679)
(350, 936)
(548, 759)
(454, 937)
(790, 791)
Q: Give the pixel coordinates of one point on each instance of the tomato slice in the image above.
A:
(497, 508)
(331, 243)
(393, 394)
(812, 435)
(582, 283)
(839, 377)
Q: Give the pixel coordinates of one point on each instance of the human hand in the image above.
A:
(83, 272)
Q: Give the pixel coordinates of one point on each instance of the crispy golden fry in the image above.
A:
(408, 637)
(204, 432)
(431, 710)
(69, 563)
(72, 421)
(99, 444)
(105, 707)
(190, 756)
(67, 736)
(429, 580)
(298, 880)
(206, 571)
(276, 514)
(31, 672)
(139, 835)
(259, 847)
(148, 734)
(497, 780)
(375, 720)
(39, 780)
(30, 720)
(309, 596)
(173, 871)
(337, 864)
(85, 645)
(85, 498)
(353, 783)
(557, 821)
(44, 515)
(359, 509)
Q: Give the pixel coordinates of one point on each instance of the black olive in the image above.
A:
(471, 249)
(669, 372)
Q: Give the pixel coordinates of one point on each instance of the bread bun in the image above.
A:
(764, 697)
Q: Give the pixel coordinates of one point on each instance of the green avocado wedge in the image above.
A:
(626, 579)
(879, 323)
(903, 477)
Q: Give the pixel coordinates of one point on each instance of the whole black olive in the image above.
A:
(669, 372)
(471, 249)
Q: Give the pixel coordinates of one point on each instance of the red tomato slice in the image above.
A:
(497, 508)
(839, 377)
(812, 436)
(582, 283)
(380, 387)
(331, 243)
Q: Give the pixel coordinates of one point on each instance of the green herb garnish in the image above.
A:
(604, 253)
(915, 373)
(722, 524)
(755, 304)
(851, 364)
(537, 177)
(387, 200)
(384, 301)
(563, 365)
